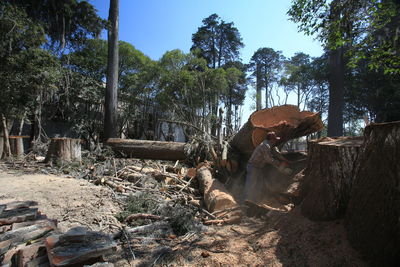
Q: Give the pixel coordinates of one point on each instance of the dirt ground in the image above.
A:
(275, 240)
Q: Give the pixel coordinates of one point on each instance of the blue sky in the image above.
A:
(157, 26)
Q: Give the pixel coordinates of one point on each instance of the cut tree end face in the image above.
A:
(287, 121)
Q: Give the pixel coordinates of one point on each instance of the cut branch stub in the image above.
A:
(287, 121)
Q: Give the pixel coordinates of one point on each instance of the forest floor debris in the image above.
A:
(169, 229)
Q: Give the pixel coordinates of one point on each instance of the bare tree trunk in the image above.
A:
(111, 101)
(17, 146)
(336, 93)
(266, 97)
(21, 125)
(258, 87)
(7, 147)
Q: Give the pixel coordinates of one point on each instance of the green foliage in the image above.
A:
(265, 65)
(142, 203)
(298, 77)
(18, 32)
(66, 22)
(372, 93)
(318, 101)
(181, 220)
(217, 41)
(367, 28)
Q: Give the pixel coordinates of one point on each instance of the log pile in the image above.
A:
(78, 246)
(329, 177)
(22, 233)
(26, 239)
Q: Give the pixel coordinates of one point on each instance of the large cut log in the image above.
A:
(372, 218)
(64, 150)
(329, 177)
(17, 146)
(287, 121)
(145, 149)
(216, 197)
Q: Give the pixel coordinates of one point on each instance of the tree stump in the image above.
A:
(216, 197)
(372, 218)
(287, 121)
(17, 146)
(145, 149)
(329, 177)
(64, 150)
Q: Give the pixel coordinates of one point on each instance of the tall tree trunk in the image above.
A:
(298, 96)
(229, 114)
(258, 87)
(214, 115)
(266, 95)
(7, 147)
(111, 101)
(21, 124)
(336, 93)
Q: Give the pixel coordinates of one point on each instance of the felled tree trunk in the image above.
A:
(287, 121)
(145, 149)
(64, 150)
(216, 197)
(372, 218)
(329, 177)
(16, 146)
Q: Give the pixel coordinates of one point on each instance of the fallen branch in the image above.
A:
(232, 220)
(136, 216)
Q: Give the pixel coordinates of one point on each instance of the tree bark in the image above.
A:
(372, 218)
(329, 177)
(148, 149)
(1, 144)
(17, 146)
(64, 150)
(258, 87)
(287, 121)
(111, 100)
(336, 93)
(7, 148)
(216, 197)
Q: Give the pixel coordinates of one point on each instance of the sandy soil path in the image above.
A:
(73, 202)
(279, 240)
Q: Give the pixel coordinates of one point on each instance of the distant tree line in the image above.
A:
(54, 69)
